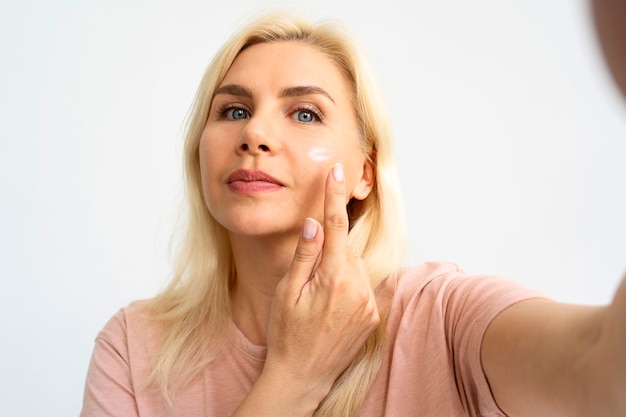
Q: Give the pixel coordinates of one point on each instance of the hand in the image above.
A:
(324, 308)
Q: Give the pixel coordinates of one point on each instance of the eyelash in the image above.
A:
(309, 109)
(223, 110)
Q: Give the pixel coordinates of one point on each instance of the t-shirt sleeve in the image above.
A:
(470, 303)
(436, 363)
(109, 388)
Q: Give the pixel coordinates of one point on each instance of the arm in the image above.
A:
(544, 358)
(323, 311)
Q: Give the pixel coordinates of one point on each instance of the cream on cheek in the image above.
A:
(321, 154)
(323, 157)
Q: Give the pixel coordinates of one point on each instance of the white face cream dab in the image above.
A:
(319, 154)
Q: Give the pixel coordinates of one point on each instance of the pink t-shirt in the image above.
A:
(431, 365)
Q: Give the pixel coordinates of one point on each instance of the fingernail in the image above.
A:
(338, 173)
(310, 229)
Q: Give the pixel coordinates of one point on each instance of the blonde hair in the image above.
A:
(196, 302)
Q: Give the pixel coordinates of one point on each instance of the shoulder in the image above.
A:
(120, 362)
(131, 327)
(447, 290)
(435, 327)
(411, 280)
(131, 315)
(451, 280)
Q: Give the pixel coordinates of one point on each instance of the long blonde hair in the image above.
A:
(196, 302)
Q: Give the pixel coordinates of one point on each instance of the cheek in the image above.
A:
(315, 161)
(204, 158)
(210, 149)
(209, 165)
(321, 153)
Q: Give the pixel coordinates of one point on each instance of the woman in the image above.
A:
(288, 298)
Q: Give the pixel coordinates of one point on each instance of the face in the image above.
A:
(279, 121)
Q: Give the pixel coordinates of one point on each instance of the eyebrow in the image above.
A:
(304, 91)
(234, 90)
(241, 91)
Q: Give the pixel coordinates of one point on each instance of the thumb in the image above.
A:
(307, 253)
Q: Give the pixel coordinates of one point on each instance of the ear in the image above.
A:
(365, 184)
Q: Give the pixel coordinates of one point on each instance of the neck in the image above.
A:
(260, 264)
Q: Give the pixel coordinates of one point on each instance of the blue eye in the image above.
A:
(306, 116)
(236, 113)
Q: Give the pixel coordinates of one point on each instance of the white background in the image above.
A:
(510, 137)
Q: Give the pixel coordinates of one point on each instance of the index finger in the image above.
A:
(335, 216)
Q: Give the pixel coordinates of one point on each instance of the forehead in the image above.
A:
(286, 63)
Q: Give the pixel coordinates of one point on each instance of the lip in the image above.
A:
(245, 181)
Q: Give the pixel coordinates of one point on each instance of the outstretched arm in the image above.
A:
(543, 358)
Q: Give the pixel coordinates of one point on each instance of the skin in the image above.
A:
(301, 292)
(543, 358)
(271, 139)
(610, 23)
(279, 296)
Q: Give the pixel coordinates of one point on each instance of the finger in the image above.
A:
(307, 252)
(335, 217)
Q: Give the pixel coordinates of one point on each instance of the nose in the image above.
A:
(258, 137)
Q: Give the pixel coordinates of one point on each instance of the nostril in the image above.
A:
(244, 147)
(264, 148)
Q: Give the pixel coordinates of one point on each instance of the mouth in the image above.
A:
(245, 181)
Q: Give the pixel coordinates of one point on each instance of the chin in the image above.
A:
(261, 229)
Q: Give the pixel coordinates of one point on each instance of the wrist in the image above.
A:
(277, 394)
(301, 394)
